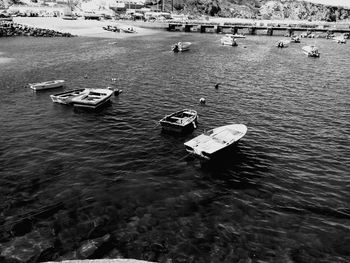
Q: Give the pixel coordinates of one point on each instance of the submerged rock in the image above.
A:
(22, 227)
(87, 249)
(28, 248)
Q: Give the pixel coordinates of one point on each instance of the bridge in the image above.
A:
(251, 29)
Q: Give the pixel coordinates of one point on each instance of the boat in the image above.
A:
(238, 36)
(128, 30)
(340, 39)
(180, 121)
(210, 143)
(92, 99)
(282, 44)
(111, 28)
(295, 39)
(311, 51)
(67, 96)
(47, 84)
(229, 40)
(181, 46)
(69, 17)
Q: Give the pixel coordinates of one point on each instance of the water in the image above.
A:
(282, 195)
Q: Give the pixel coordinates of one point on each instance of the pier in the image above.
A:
(251, 29)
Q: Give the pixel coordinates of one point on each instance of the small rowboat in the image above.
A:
(238, 36)
(210, 143)
(180, 122)
(295, 39)
(111, 28)
(128, 30)
(69, 17)
(66, 97)
(47, 84)
(282, 43)
(340, 39)
(229, 40)
(92, 99)
(181, 46)
(311, 51)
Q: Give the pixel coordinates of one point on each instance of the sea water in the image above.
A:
(281, 194)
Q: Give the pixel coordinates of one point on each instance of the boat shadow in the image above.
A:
(237, 167)
(186, 133)
(99, 109)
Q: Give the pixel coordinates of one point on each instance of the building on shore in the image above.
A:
(38, 10)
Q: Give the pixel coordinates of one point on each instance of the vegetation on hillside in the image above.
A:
(263, 9)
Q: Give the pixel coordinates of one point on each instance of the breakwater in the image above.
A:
(10, 29)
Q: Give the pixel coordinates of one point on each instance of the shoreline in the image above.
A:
(85, 28)
(93, 28)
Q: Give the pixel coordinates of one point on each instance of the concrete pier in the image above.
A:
(250, 29)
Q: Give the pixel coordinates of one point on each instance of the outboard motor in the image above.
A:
(176, 48)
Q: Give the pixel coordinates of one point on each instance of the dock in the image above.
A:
(252, 29)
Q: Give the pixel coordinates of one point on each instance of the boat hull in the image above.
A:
(311, 51)
(228, 43)
(69, 18)
(66, 97)
(311, 55)
(90, 101)
(238, 36)
(180, 122)
(181, 47)
(47, 85)
(208, 146)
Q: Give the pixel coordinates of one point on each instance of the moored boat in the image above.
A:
(67, 96)
(180, 122)
(47, 84)
(210, 143)
(295, 39)
(92, 99)
(238, 36)
(69, 17)
(340, 39)
(311, 51)
(128, 30)
(282, 44)
(229, 40)
(181, 46)
(111, 28)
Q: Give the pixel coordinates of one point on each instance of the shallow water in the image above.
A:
(282, 194)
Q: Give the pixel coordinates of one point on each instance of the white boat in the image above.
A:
(47, 84)
(229, 40)
(67, 96)
(210, 143)
(69, 17)
(311, 51)
(181, 46)
(294, 39)
(238, 36)
(180, 121)
(340, 39)
(92, 99)
(128, 30)
(282, 43)
(111, 28)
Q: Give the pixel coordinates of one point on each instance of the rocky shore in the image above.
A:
(10, 29)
